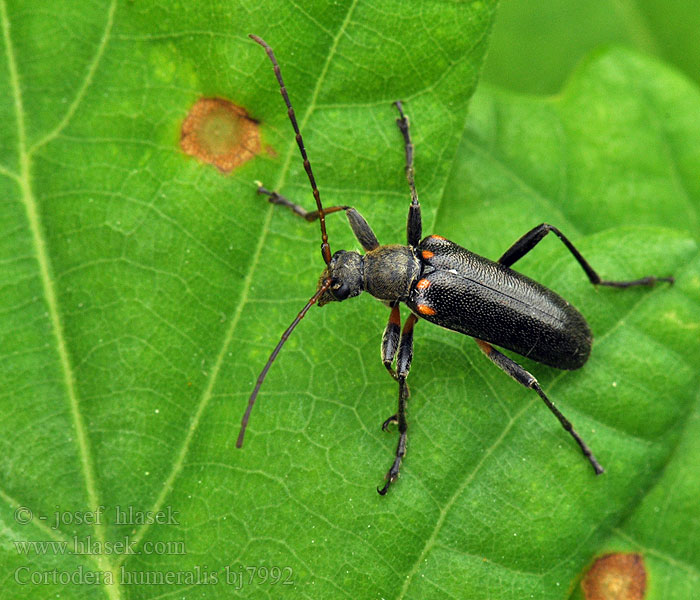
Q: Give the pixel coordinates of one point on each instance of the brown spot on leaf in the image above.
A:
(618, 576)
(220, 133)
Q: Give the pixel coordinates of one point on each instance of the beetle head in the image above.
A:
(346, 273)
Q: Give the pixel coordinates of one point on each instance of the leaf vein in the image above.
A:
(80, 94)
(29, 201)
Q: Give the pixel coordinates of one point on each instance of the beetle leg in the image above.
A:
(534, 236)
(297, 209)
(390, 344)
(363, 232)
(525, 378)
(403, 366)
(390, 341)
(414, 224)
(392, 420)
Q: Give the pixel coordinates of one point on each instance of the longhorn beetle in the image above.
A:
(450, 286)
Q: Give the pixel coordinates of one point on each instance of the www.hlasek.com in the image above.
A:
(90, 546)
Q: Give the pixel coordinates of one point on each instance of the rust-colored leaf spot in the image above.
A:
(220, 133)
(616, 576)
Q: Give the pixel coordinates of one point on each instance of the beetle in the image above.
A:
(445, 284)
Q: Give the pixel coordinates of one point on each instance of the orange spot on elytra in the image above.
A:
(423, 284)
(619, 576)
(437, 237)
(424, 309)
(427, 254)
(220, 133)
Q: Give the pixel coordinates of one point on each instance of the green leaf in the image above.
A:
(536, 44)
(142, 289)
(143, 292)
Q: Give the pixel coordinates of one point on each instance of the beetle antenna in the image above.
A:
(244, 423)
(325, 248)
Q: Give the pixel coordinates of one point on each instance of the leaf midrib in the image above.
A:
(28, 199)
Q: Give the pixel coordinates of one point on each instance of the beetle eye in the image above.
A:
(341, 291)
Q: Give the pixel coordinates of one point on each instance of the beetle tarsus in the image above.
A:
(393, 419)
(648, 281)
(384, 490)
(393, 473)
(566, 424)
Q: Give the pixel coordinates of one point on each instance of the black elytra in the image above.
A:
(443, 283)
